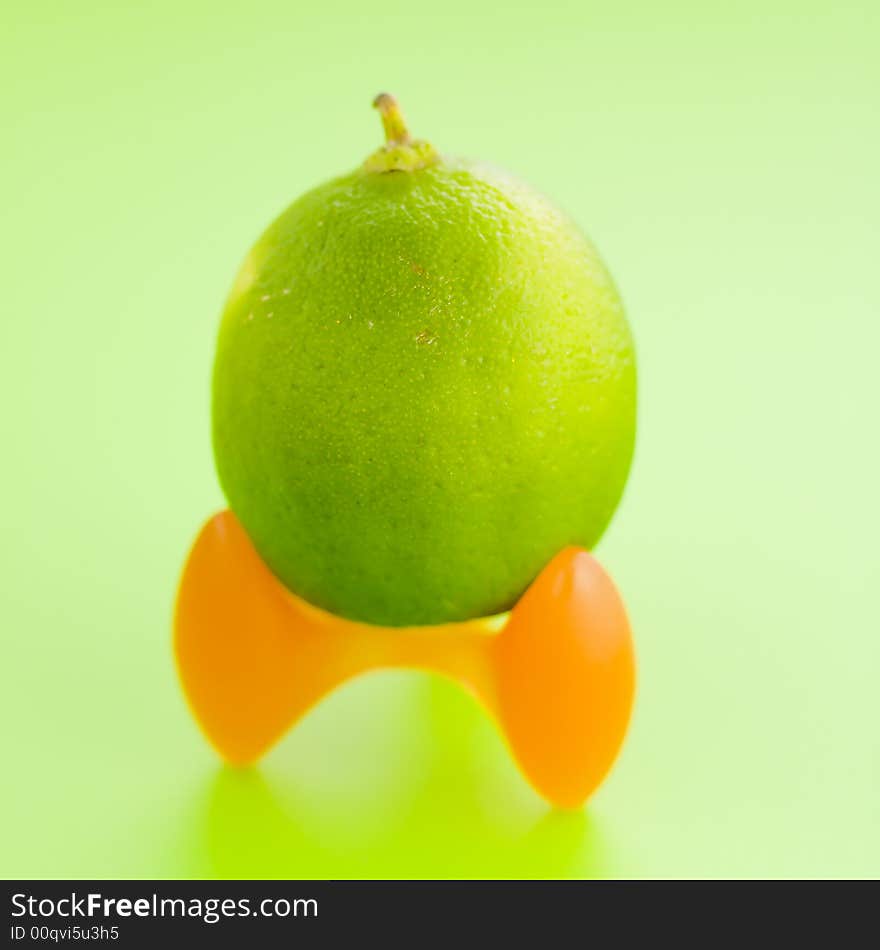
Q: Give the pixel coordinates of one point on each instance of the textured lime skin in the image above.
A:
(424, 388)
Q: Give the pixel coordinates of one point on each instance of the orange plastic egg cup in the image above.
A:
(558, 677)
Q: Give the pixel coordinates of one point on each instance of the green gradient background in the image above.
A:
(725, 160)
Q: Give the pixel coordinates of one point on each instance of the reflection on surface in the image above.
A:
(397, 775)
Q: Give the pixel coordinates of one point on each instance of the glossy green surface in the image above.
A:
(424, 390)
(725, 161)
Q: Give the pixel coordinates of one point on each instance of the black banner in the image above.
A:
(199, 913)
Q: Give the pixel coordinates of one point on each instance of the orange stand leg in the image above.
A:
(558, 677)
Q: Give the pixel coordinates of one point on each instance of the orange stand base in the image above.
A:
(558, 677)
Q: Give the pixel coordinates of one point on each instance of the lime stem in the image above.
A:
(396, 132)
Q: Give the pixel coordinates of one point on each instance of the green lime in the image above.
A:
(424, 388)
